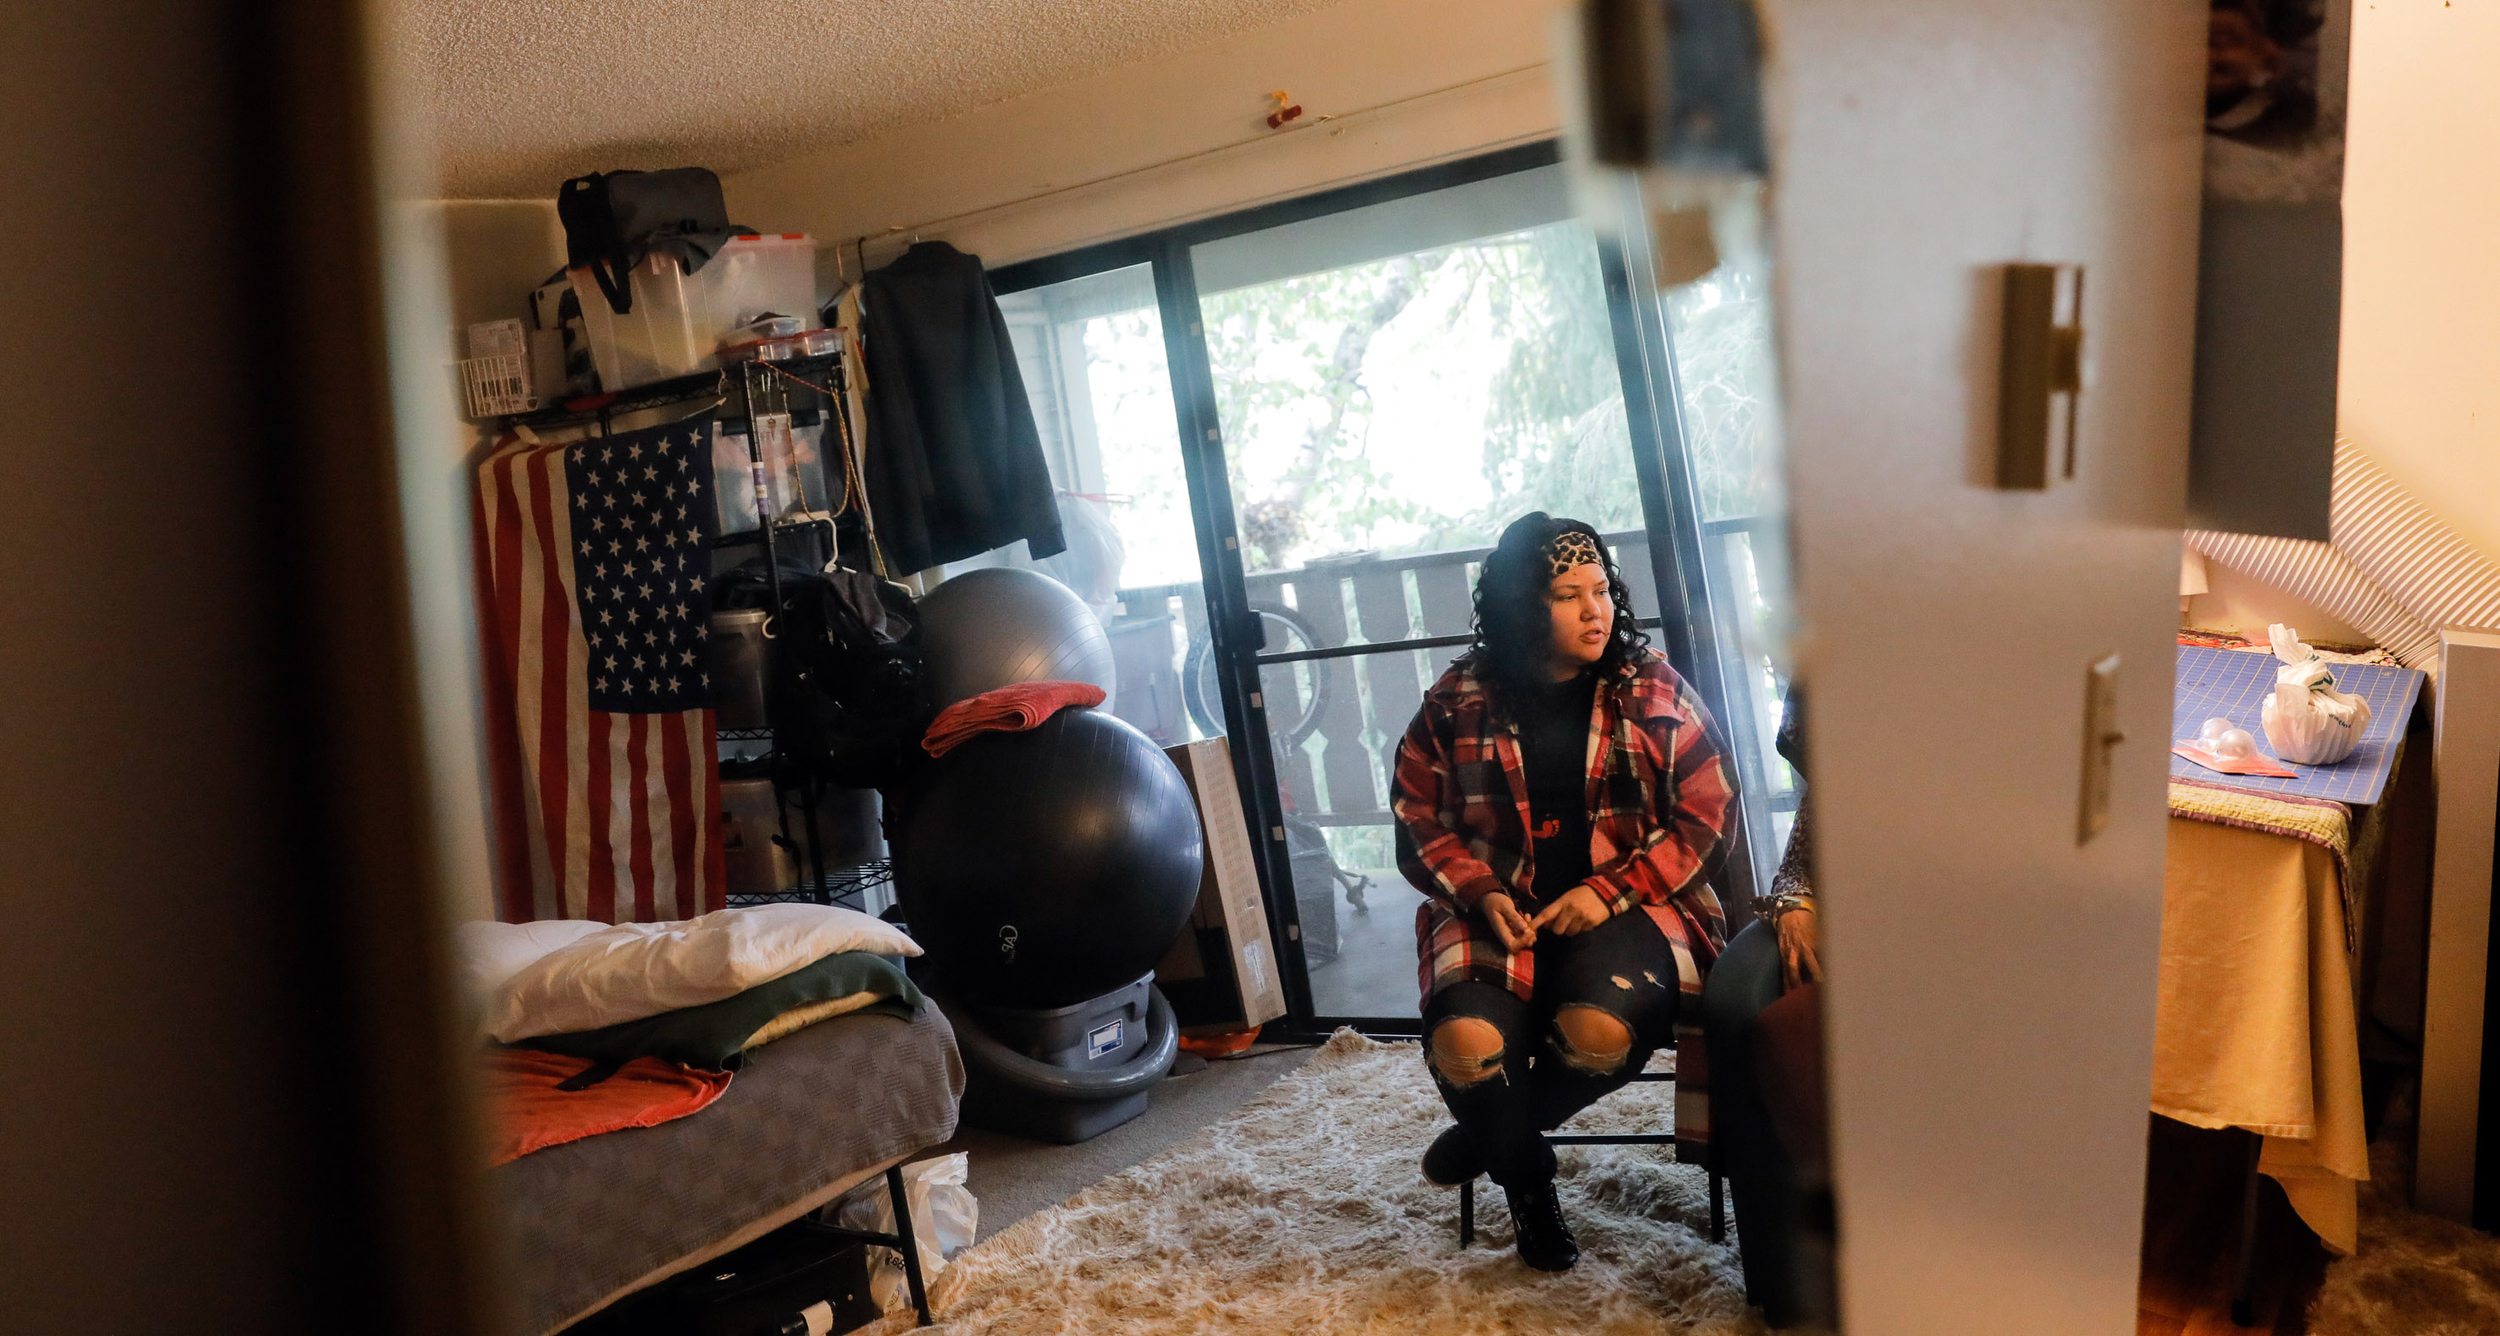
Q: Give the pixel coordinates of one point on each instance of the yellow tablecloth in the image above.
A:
(2256, 1027)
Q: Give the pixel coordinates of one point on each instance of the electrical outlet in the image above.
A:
(2100, 735)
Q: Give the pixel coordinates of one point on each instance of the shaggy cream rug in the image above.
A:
(2414, 1274)
(1304, 1213)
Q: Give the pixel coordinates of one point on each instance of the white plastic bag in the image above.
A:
(2307, 719)
(944, 1219)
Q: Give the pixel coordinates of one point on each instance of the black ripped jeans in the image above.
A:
(1622, 968)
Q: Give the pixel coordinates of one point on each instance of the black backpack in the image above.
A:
(849, 702)
(612, 220)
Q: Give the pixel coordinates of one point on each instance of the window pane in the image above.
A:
(1721, 326)
(1395, 385)
(1432, 383)
(1754, 622)
(1335, 724)
(1092, 356)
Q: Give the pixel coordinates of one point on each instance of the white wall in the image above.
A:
(1990, 1008)
(2236, 602)
(2420, 377)
(2420, 383)
(1385, 85)
(493, 253)
(499, 250)
(2420, 388)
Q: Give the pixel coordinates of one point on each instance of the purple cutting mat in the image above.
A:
(2234, 684)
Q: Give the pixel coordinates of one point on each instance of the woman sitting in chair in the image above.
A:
(1561, 802)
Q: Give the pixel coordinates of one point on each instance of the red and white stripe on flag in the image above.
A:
(591, 559)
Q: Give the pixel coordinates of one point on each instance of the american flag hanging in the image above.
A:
(592, 561)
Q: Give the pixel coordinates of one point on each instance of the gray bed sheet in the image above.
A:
(588, 1219)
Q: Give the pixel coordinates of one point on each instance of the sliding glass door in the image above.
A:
(1394, 384)
(1360, 390)
(1093, 355)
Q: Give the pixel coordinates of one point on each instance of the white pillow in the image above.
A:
(628, 971)
(487, 954)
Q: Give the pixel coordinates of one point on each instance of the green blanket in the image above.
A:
(714, 1036)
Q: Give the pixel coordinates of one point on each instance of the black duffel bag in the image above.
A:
(762, 1289)
(848, 700)
(613, 220)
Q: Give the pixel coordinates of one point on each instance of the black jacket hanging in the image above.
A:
(954, 465)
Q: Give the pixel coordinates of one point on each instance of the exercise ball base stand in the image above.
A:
(1062, 1074)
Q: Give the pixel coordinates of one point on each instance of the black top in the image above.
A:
(954, 462)
(1554, 749)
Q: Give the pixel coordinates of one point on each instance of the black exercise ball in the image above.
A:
(1000, 625)
(1047, 867)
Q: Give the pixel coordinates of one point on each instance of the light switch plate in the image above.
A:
(2100, 735)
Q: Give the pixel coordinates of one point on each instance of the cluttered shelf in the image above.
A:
(734, 346)
(821, 524)
(812, 372)
(768, 391)
(673, 482)
(850, 887)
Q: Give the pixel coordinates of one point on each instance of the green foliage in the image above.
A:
(1555, 434)
(1721, 325)
(1291, 359)
(1295, 364)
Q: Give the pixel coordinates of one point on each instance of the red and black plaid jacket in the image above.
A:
(1660, 793)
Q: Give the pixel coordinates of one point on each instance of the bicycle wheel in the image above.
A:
(1287, 632)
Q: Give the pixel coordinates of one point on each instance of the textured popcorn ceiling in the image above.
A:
(528, 92)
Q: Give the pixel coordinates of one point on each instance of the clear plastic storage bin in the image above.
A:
(679, 319)
(794, 472)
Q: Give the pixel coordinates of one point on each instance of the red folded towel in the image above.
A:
(1006, 710)
(526, 1111)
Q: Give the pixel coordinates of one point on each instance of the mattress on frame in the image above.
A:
(809, 1115)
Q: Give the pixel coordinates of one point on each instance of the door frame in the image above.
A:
(1661, 467)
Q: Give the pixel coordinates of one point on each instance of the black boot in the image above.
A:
(1544, 1241)
(1452, 1159)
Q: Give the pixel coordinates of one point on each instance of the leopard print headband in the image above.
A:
(1572, 548)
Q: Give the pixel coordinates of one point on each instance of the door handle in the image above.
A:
(2039, 370)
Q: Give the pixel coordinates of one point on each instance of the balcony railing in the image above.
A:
(1335, 720)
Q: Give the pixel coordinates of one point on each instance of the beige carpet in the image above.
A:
(1304, 1213)
(2414, 1274)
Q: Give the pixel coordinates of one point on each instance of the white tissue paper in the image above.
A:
(2307, 719)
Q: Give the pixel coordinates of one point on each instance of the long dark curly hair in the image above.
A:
(1514, 622)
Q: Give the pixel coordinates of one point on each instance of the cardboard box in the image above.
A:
(1221, 974)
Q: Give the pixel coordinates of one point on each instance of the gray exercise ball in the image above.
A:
(1002, 625)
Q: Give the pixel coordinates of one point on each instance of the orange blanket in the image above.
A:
(1006, 710)
(527, 1112)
